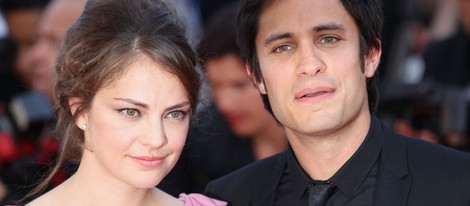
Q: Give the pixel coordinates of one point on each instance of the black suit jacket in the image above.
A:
(412, 172)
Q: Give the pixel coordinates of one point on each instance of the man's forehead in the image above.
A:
(303, 13)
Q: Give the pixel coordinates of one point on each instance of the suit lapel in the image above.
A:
(394, 181)
(391, 190)
(266, 201)
(270, 179)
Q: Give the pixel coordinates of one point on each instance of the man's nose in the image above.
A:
(310, 61)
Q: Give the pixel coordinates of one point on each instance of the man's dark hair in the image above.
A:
(220, 34)
(367, 15)
(13, 5)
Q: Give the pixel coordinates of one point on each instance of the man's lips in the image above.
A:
(312, 93)
(234, 118)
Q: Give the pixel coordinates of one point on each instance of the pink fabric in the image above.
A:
(200, 200)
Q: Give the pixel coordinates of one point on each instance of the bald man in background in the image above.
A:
(57, 17)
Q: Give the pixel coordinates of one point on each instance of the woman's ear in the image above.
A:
(74, 103)
(372, 60)
(82, 119)
(260, 85)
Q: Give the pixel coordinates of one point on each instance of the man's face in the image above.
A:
(236, 97)
(22, 27)
(309, 57)
(464, 10)
(53, 25)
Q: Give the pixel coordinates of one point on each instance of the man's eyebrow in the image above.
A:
(276, 37)
(328, 27)
(319, 28)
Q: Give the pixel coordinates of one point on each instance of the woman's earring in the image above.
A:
(84, 126)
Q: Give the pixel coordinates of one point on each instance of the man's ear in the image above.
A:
(372, 60)
(259, 84)
(82, 118)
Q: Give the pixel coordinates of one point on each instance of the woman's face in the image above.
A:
(137, 126)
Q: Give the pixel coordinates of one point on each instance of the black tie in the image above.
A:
(319, 192)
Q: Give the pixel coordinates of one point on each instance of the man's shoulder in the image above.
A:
(260, 176)
(426, 155)
(434, 169)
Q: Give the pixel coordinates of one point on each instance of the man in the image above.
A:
(57, 18)
(22, 21)
(315, 60)
(235, 97)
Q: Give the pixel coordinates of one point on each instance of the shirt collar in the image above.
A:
(351, 175)
(299, 178)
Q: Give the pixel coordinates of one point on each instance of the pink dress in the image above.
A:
(200, 200)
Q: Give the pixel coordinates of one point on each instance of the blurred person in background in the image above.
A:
(447, 65)
(55, 21)
(413, 102)
(235, 96)
(402, 106)
(235, 129)
(41, 148)
(22, 18)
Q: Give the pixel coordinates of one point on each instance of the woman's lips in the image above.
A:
(148, 161)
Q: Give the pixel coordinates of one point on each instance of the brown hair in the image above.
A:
(97, 50)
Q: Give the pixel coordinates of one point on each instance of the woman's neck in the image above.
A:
(91, 185)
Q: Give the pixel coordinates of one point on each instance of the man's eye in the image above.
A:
(282, 49)
(329, 40)
(242, 85)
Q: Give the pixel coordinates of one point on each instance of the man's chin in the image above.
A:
(243, 132)
(45, 91)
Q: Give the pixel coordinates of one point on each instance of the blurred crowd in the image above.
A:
(425, 74)
(424, 87)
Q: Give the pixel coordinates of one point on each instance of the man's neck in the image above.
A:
(271, 141)
(322, 156)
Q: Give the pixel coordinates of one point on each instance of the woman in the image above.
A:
(126, 88)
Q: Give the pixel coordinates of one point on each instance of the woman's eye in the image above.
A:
(178, 115)
(282, 49)
(329, 40)
(130, 113)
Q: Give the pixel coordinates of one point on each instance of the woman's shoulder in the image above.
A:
(196, 199)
